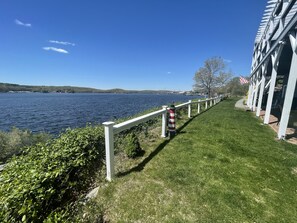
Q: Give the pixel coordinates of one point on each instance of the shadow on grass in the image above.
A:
(141, 165)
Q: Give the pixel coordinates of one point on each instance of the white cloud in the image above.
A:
(169, 72)
(61, 42)
(18, 22)
(59, 50)
(228, 61)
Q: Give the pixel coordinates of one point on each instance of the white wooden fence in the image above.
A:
(110, 128)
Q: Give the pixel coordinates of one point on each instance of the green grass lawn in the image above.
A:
(223, 166)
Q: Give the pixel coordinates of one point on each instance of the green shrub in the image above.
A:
(132, 145)
(49, 175)
(181, 113)
(13, 141)
(59, 216)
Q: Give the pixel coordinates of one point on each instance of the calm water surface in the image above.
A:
(54, 113)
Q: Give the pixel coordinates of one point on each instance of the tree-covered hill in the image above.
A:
(7, 87)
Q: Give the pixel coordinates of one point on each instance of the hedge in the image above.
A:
(48, 176)
(13, 141)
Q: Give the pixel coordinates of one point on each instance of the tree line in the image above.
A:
(7, 87)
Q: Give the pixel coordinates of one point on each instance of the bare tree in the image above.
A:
(211, 76)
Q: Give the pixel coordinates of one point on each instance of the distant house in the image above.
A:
(274, 65)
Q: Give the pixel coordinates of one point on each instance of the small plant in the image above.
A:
(132, 146)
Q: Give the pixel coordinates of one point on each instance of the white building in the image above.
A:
(274, 65)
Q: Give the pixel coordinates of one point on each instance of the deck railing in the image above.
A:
(110, 128)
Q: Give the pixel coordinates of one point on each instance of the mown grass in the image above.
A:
(223, 166)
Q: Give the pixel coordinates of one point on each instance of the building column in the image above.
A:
(263, 70)
(275, 58)
(290, 90)
(250, 96)
(256, 91)
(252, 91)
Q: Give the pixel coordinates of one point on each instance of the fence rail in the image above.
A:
(110, 128)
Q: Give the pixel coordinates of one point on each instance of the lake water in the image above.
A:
(54, 113)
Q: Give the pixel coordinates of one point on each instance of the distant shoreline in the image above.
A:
(16, 88)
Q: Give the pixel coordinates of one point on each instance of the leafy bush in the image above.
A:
(132, 145)
(59, 215)
(181, 113)
(11, 142)
(49, 175)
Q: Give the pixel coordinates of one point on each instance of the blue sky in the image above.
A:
(129, 44)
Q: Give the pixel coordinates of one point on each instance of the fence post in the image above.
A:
(215, 101)
(109, 149)
(210, 102)
(206, 103)
(164, 121)
(189, 108)
(198, 108)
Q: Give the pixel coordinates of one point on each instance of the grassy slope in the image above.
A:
(224, 166)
